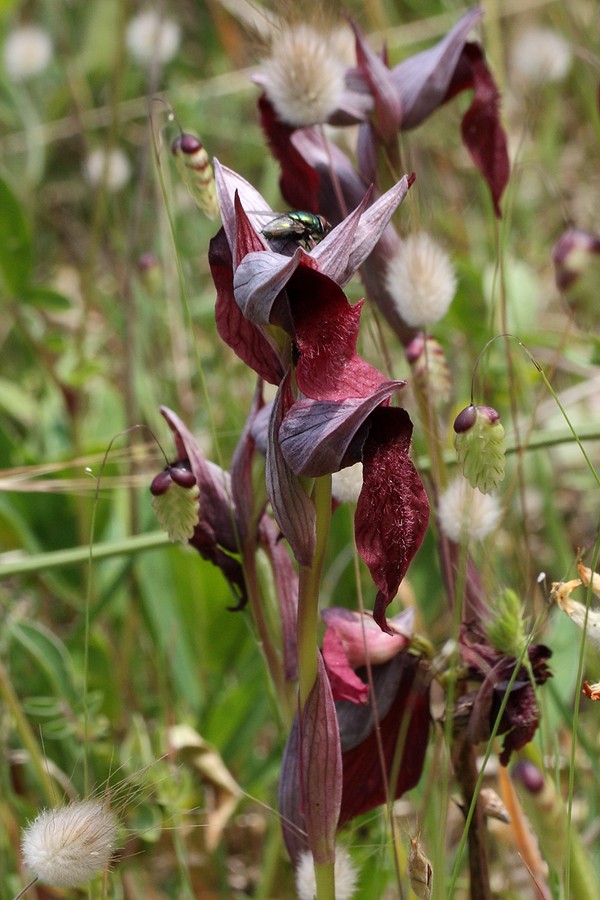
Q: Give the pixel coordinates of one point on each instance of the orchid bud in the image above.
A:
(150, 272)
(528, 774)
(430, 370)
(572, 255)
(576, 258)
(479, 443)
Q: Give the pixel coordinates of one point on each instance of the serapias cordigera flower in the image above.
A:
(288, 315)
(396, 719)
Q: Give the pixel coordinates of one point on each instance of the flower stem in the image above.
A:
(308, 592)
(325, 881)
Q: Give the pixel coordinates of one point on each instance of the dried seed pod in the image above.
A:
(420, 872)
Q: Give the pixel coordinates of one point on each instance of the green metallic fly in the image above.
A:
(297, 225)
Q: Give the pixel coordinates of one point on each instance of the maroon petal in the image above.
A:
(320, 437)
(350, 243)
(402, 699)
(423, 80)
(245, 339)
(320, 768)
(216, 530)
(286, 584)
(259, 280)
(388, 106)
(482, 132)
(248, 507)
(229, 185)
(299, 183)
(326, 332)
(292, 508)
(392, 511)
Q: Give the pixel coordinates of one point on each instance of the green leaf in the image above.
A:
(46, 298)
(16, 252)
(50, 655)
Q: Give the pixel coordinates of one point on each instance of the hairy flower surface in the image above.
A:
(421, 280)
(151, 37)
(110, 168)
(465, 513)
(303, 76)
(27, 52)
(346, 876)
(67, 847)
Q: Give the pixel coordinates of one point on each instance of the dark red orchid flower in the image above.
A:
(399, 713)
(339, 412)
(402, 98)
(478, 709)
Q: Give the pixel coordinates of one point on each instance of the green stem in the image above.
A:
(308, 592)
(325, 881)
(27, 736)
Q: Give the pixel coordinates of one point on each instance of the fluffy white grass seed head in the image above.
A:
(111, 168)
(304, 74)
(421, 280)
(27, 52)
(540, 55)
(149, 37)
(464, 512)
(67, 847)
(346, 484)
(346, 876)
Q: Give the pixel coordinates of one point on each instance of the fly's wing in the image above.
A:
(282, 227)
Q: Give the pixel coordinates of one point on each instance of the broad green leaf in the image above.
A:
(15, 242)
